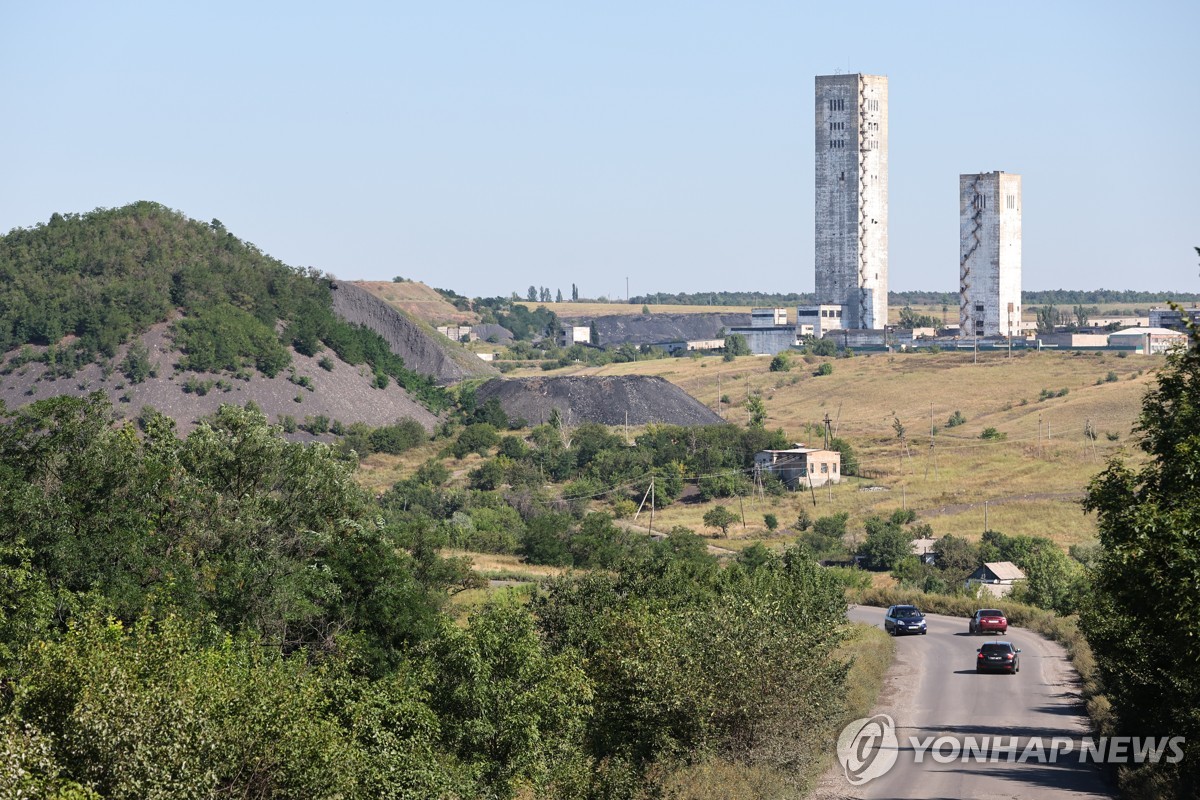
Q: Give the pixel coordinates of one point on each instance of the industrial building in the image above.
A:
(767, 317)
(852, 197)
(1173, 318)
(818, 320)
(1148, 341)
(989, 277)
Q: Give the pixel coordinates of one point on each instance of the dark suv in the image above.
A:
(988, 619)
(998, 657)
(904, 619)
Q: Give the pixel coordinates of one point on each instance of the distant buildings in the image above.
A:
(1147, 341)
(852, 197)
(989, 277)
(1170, 318)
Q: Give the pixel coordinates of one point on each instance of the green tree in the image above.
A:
(1047, 318)
(720, 517)
(736, 345)
(508, 708)
(756, 409)
(956, 558)
(782, 362)
(1144, 620)
(532, 294)
(885, 545)
(478, 437)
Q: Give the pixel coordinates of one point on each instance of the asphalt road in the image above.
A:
(933, 690)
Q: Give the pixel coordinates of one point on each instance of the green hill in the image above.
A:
(80, 286)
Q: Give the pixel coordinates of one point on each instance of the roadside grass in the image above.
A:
(868, 650)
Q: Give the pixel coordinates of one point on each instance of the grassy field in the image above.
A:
(1029, 482)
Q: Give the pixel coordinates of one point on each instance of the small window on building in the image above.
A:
(824, 468)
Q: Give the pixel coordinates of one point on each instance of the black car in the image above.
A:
(904, 619)
(998, 657)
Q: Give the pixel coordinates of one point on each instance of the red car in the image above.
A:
(988, 620)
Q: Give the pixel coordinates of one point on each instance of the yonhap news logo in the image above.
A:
(868, 748)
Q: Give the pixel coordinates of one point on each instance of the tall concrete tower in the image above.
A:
(989, 273)
(852, 197)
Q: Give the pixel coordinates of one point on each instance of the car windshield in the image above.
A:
(907, 612)
(991, 612)
(995, 649)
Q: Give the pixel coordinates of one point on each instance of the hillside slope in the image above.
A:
(343, 393)
(151, 307)
(422, 348)
(420, 301)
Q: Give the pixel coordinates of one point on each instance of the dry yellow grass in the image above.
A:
(419, 300)
(1030, 484)
(1024, 484)
(497, 564)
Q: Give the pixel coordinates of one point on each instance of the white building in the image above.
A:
(574, 334)
(852, 197)
(989, 272)
(818, 320)
(1148, 341)
(767, 317)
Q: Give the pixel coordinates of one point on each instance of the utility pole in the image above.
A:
(828, 437)
(930, 440)
(650, 529)
(985, 516)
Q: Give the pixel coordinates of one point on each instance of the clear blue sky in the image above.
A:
(487, 146)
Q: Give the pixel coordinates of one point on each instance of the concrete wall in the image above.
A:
(852, 196)
(768, 341)
(989, 254)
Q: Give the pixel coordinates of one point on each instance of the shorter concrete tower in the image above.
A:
(989, 266)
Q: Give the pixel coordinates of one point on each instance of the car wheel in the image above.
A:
(979, 669)
(924, 631)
